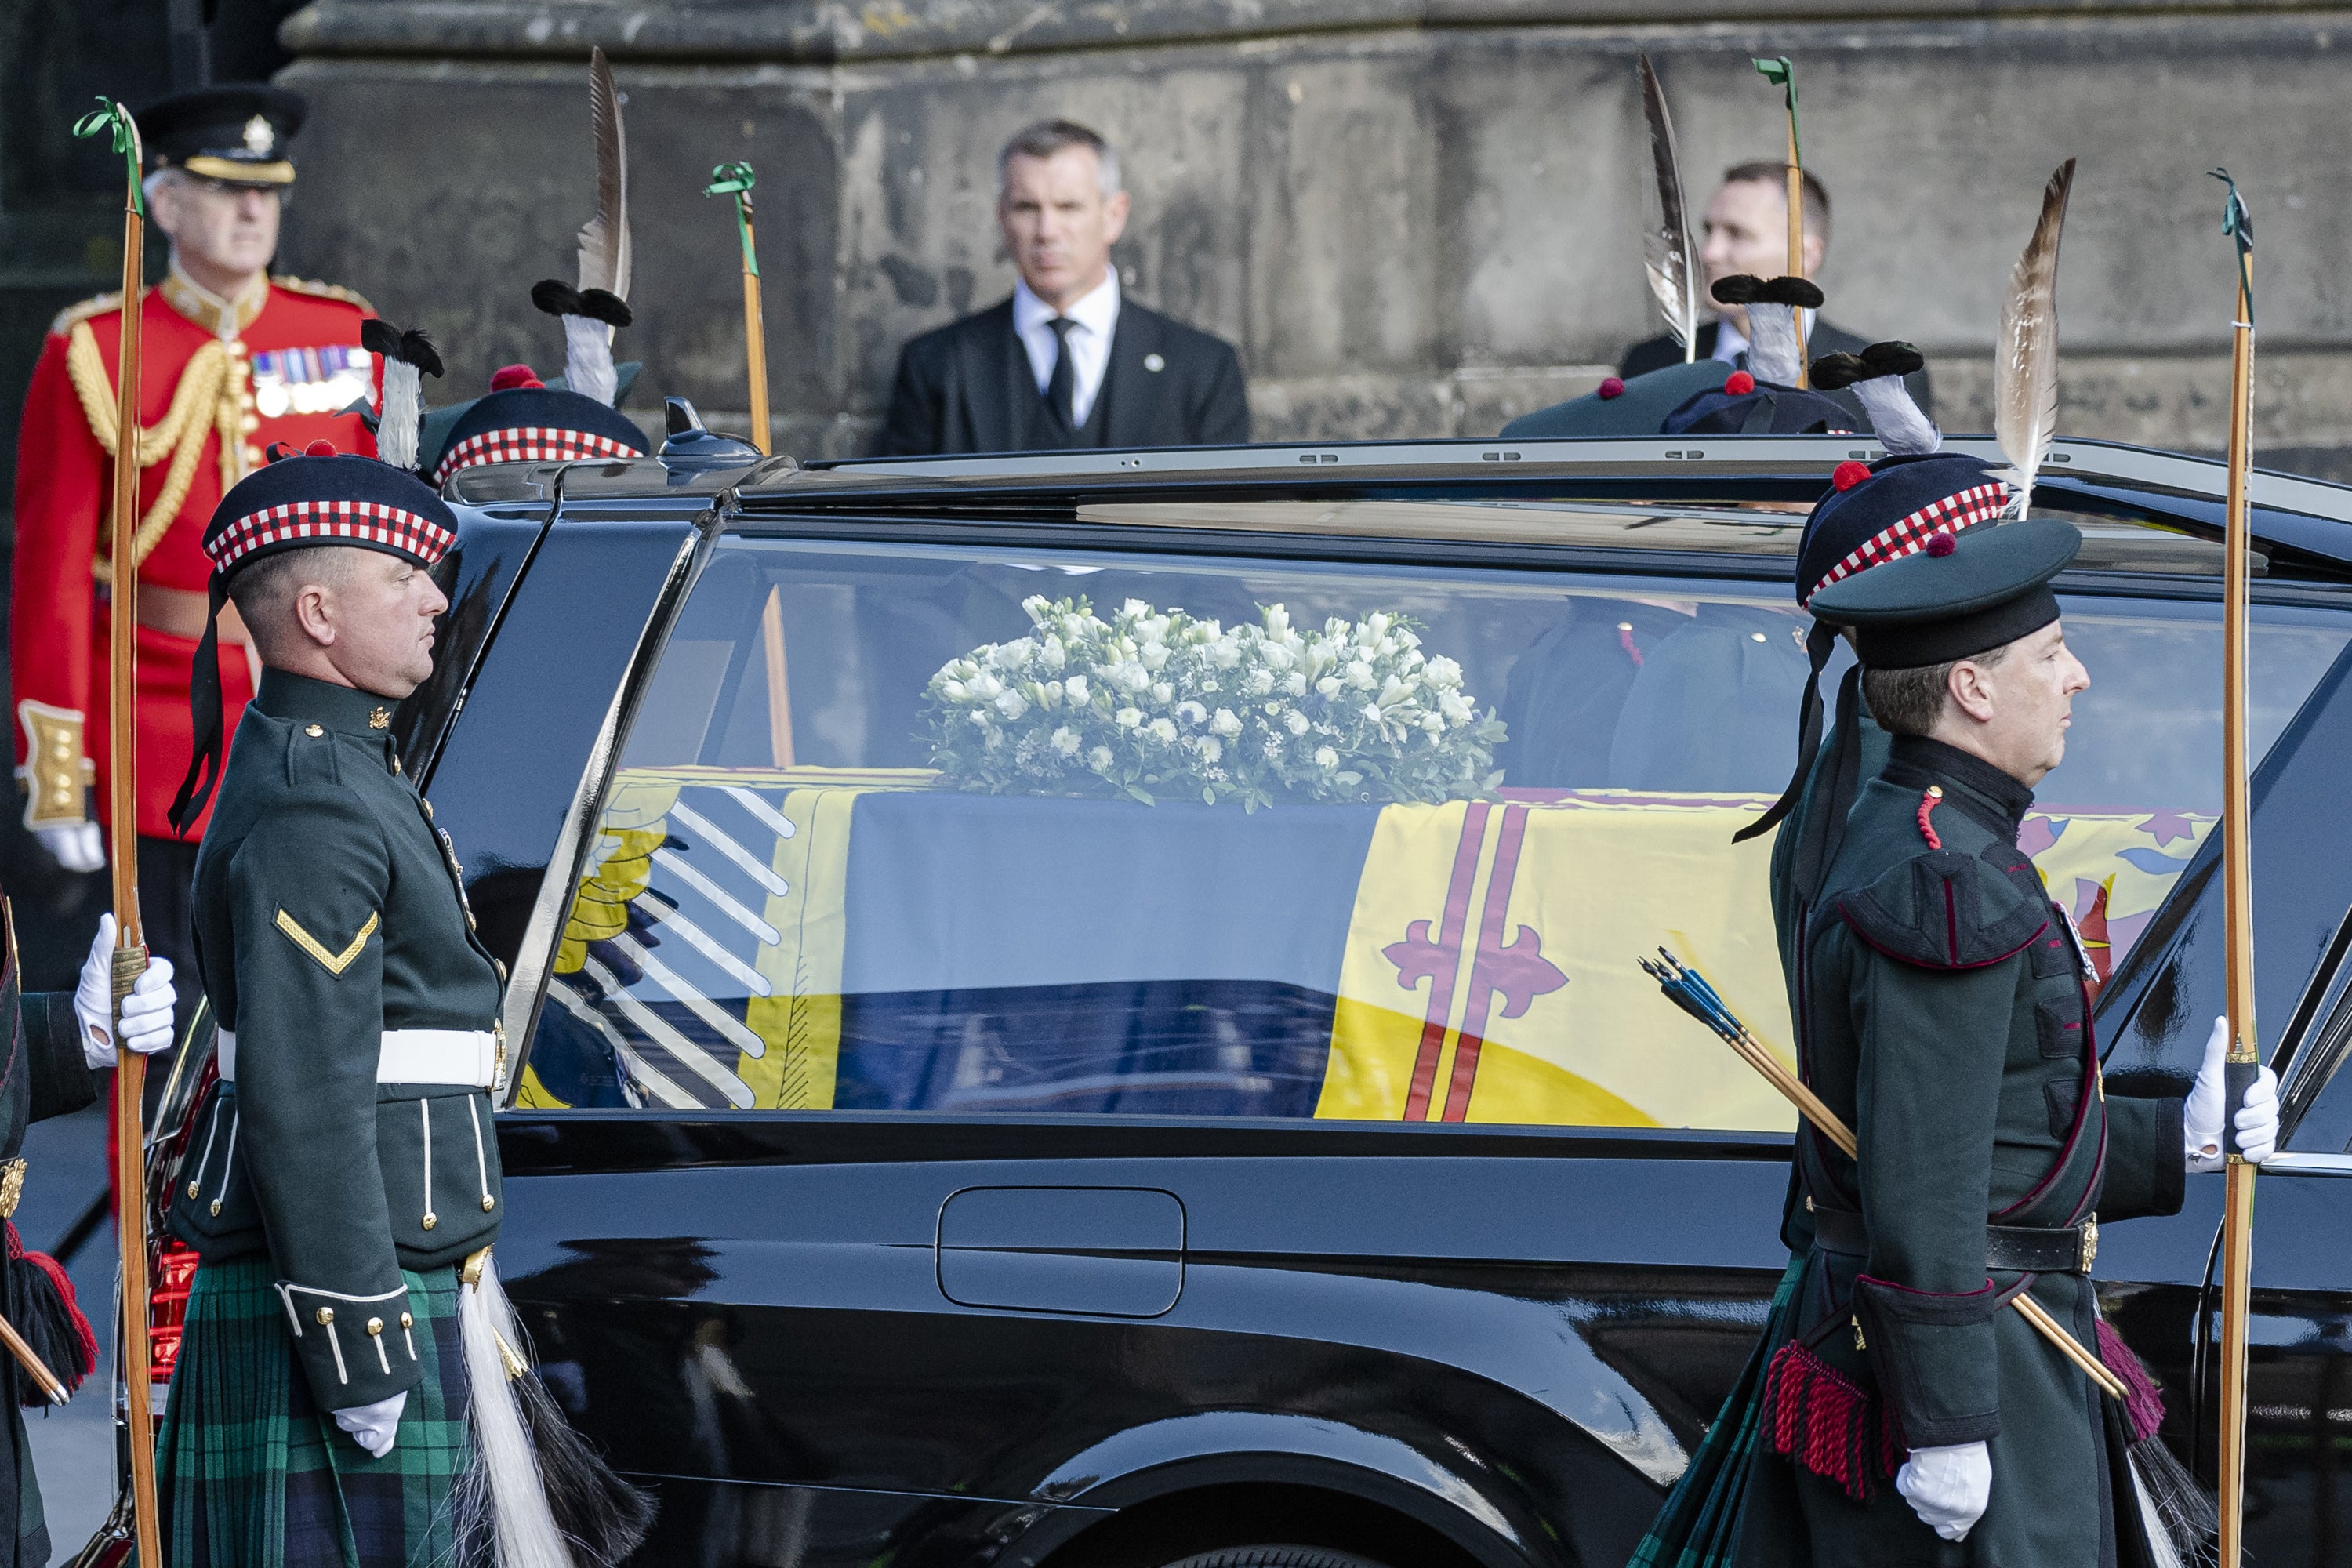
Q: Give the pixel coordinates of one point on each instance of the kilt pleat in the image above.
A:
(253, 1474)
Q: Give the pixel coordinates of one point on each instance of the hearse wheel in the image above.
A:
(1277, 1557)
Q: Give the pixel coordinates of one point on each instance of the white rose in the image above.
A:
(1012, 704)
(1278, 658)
(1226, 653)
(1163, 731)
(1294, 684)
(1328, 686)
(1444, 671)
(1295, 721)
(1162, 693)
(1325, 757)
(1225, 722)
(986, 687)
(1075, 688)
(1065, 740)
(1154, 656)
(1259, 683)
(1135, 607)
(1051, 654)
(1127, 718)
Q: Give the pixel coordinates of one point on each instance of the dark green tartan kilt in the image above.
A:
(252, 1474)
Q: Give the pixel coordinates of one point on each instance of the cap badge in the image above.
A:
(379, 719)
(259, 139)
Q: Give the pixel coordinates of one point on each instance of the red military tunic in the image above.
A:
(218, 384)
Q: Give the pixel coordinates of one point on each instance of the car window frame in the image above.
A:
(730, 516)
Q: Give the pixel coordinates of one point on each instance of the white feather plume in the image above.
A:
(524, 1532)
(403, 409)
(1895, 419)
(1772, 353)
(588, 359)
(2025, 362)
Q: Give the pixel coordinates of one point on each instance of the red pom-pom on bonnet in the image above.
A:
(1941, 544)
(1848, 474)
(1611, 387)
(321, 449)
(508, 377)
(1739, 383)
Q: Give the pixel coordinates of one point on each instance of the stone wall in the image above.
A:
(1414, 218)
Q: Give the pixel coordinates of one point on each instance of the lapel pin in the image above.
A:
(1154, 362)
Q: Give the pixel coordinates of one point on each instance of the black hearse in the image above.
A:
(939, 1137)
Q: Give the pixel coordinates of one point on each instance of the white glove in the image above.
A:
(2200, 1120)
(146, 1012)
(373, 1426)
(76, 845)
(1947, 1488)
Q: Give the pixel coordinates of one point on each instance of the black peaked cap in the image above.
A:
(1988, 587)
(236, 132)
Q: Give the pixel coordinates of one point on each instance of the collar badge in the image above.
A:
(378, 718)
(259, 139)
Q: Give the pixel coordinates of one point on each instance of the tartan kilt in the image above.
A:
(252, 1474)
(1699, 1526)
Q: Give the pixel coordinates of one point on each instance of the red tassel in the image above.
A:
(1928, 804)
(1824, 1421)
(2142, 1400)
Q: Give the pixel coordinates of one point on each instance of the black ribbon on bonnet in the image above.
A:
(205, 713)
(1820, 643)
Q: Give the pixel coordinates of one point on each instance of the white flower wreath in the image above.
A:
(1154, 705)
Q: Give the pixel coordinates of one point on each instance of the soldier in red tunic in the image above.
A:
(234, 360)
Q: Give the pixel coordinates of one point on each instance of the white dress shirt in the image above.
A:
(1097, 314)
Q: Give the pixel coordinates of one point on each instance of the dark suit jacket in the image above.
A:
(1826, 338)
(967, 388)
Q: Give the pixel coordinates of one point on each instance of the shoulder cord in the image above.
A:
(1926, 803)
(181, 431)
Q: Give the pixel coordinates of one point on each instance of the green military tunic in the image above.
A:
(43, 1074)
(1946, 1019)
(348, 1159)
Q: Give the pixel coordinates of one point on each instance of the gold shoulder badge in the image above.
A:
(323, 292)
(335, 963)
(379, 719)
(73, 315)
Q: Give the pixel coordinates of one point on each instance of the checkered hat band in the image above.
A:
(1978, 503)
(528, 444)
(331, 522)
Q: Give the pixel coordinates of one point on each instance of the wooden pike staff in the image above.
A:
(1782, 72)
(122, 848)
(2241, 1063)
(735, 180)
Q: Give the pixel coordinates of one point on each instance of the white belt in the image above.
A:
(468, 1058)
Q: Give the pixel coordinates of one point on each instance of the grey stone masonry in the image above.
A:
(1414, 217)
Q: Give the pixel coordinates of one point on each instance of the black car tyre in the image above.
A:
(1275, 1557)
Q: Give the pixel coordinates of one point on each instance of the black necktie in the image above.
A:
(1061, 391)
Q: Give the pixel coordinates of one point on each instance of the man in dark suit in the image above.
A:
(1747, 230)
(1065, 362)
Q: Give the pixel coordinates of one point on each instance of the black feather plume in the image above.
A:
(1832, 372)
(1895, 358)
(599, 304)
(1739, 289)
(556, 297)
(1797, 293)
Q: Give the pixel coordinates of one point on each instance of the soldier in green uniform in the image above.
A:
(346, 1165)
(1946, 1019)
(53, 1046)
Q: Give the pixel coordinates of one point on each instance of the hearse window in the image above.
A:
(923, 829)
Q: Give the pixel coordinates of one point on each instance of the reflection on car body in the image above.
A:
(925, 1149)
